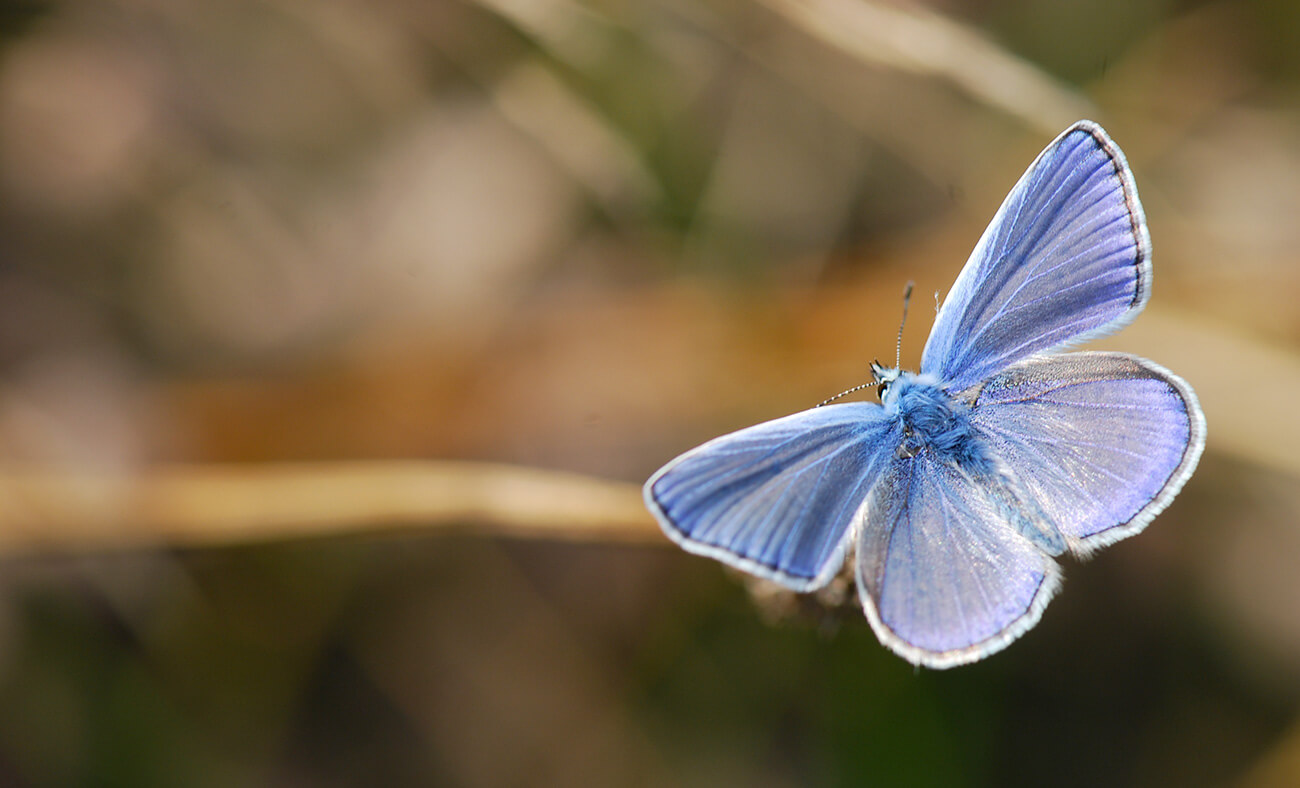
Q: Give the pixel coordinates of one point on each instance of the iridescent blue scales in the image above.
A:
(965, 483)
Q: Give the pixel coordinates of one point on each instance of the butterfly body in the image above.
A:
(932, 420)
(959, 490)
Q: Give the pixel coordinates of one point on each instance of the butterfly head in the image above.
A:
(883, 377)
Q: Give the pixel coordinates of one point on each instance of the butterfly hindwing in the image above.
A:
(1102, 440)
(943, 576)
(1065, 259)
(776, 499)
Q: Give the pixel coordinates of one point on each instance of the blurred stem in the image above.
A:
(921, 42)
(208, 505)
(52, 509)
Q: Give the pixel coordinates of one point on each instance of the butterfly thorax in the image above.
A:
(933, 420)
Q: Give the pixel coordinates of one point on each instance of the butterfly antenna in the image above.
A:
(898, 353)
(898, 349)
(845, 393)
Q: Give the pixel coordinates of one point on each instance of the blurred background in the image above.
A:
(584, 237)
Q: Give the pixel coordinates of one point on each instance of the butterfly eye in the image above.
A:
(883, 377)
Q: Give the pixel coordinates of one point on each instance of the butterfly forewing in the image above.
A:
(1065, 259)
(776, 499)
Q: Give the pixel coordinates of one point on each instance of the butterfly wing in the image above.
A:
(1066, 258)
(1103, 441)
(945, 579)
(776, 499)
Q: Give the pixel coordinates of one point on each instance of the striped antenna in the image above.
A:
(898, 353)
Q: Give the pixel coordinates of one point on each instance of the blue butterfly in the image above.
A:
(957, 492)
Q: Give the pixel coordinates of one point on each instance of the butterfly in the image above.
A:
(958, 491)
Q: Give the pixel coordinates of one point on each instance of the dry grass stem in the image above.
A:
(207, 505)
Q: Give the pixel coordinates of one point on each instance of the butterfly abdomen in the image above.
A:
(934, 421)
